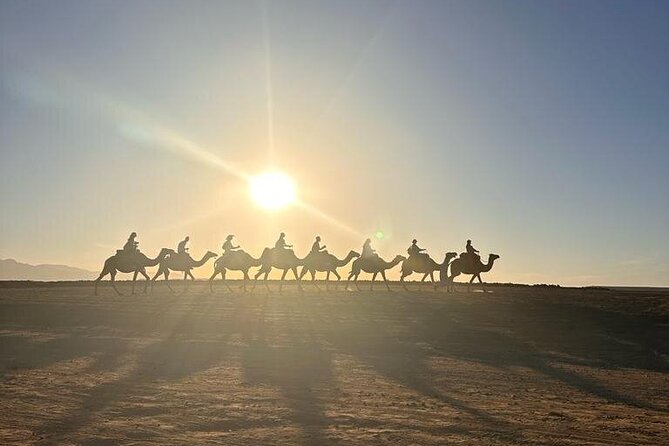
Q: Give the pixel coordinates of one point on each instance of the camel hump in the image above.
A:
(470, 259)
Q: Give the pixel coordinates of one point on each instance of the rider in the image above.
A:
(367, 250)
(316, 247)
(474, 253)
(281, 242)
(228, 246)
(414, 249)
(131, 244)
(181, 247)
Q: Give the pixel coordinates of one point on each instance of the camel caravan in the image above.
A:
(282, 257)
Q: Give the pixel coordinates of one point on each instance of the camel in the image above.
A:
(236, 261)
(130, 262)
(373, 265)
(422, 263)
(284, 259)
(466, 265)
(324, 261)
(180, 262)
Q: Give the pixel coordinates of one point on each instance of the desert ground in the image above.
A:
(514, 366)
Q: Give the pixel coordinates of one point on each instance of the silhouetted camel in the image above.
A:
(469, 265)
(130, 262)
(236, 261)
(373, 265)
(324, 261)
(422, 263)
(180, 262)
(283, 259)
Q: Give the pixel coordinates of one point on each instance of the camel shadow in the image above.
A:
(542, 337)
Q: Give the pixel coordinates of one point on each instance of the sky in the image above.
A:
(538, 129)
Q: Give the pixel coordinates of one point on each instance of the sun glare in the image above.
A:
(272, 190)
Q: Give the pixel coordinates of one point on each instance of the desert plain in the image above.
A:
(518, 365)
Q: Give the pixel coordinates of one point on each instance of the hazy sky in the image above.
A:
(540, 129)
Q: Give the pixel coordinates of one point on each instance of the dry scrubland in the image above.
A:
(517, 366)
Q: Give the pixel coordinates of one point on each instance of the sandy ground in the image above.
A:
(516, 366)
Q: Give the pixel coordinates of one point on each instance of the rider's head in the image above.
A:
(318, 238)
(469, 242)
(368, 241)
(414, 241)
(229, 237)
(134, 234)
(187, 238)
(282, 235)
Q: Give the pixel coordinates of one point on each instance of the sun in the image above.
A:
(272, 190)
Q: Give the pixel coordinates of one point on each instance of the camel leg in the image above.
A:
(383, 274)
(420, 286)
(211, 280)
(223, 273)
(451, 283)
(327, 281)
(481, 282)
(258, 274)
(313, 279)
(134, 279)
(470, 283)
(303, 272)
(283, 276)
(402, 276)
(153, 279)
(146, 276)
(104, 272)
(166, 273)
(371, 284)
(297, 279)
(334, 271)
(246, 279)
(264, 279)
(434, 284)
(113, 283)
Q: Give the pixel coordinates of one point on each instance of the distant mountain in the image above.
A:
(10, 269)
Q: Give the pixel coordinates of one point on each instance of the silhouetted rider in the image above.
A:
(473, 252)
(181, 247)
(281, 242)
(316, 247)
(414, 249)
(131, 244)
(367, 250)
(228, 246)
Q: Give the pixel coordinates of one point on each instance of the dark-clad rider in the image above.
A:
(181, 247)
(131, 244)
(473, 252)
(316, 247)
(281, 242)
(228, 246)
(414, 249)
(367, 250)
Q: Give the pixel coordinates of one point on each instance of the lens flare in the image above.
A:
(272, 190)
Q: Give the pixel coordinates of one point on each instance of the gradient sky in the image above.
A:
(540, 129)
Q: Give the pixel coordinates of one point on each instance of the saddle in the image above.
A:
(470, 259)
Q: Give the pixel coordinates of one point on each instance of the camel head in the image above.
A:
(210, 254)
(492, 257)
(398, 258)
(352, 254)
(165, 252)
(450, 255)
